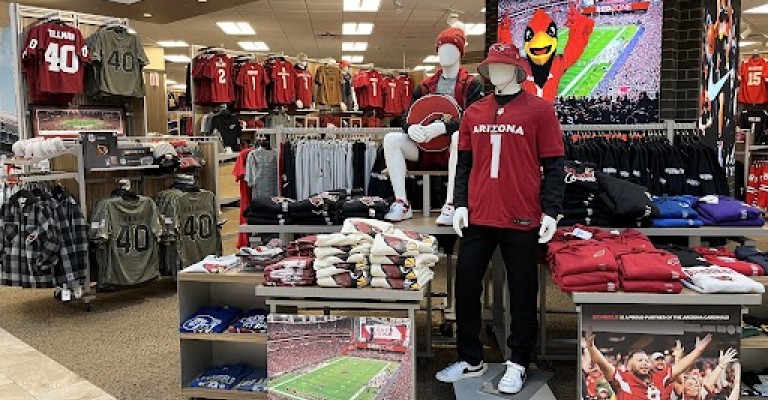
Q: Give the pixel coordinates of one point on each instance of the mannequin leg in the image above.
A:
(399, 148)
(477, 247)
(519, 251)
(452, 167)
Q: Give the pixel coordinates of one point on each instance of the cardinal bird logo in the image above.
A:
(367, 229)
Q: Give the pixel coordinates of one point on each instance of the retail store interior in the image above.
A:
(383, 199)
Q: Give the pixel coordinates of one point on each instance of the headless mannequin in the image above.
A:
(505, 79)
(400, 147)
(355, 106)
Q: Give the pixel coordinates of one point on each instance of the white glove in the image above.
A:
(299, 104)
(460, 220)
(355, 106)
(418, 133)
(548, 228)
(434, 130)
(343, 107)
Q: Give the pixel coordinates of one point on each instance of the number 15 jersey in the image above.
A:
(507, 143)
(752, 75)
(118, 63)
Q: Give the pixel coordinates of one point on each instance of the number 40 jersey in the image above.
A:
(191, 217)
(118, 62)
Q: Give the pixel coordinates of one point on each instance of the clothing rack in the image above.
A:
(670, 127)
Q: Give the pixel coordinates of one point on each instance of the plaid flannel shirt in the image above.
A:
(29, 243)
(74, 249)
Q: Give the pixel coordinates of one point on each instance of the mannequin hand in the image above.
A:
(434, 130)
(460, 220)
(343, 107)
(548, 228)
(418, 133)
(355, 106)
(299, 104)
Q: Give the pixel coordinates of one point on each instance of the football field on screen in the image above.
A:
(82, 123)
(340, 378)
(584, 76)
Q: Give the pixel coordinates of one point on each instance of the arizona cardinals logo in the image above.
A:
(367, 229)
(316, 201)
(400, 245)
(500, 47)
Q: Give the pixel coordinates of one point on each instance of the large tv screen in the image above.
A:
(599, 61)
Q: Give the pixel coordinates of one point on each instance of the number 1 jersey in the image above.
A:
(118, 63)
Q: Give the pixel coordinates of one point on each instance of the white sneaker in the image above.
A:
(460, 370)
(446, 215)
(513, 380)
(399, 211)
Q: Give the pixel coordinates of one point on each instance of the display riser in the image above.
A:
(193, 295)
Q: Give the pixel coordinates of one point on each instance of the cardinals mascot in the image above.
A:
(545, 67)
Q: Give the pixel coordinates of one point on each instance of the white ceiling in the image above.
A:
(758, 23)
(400, 38)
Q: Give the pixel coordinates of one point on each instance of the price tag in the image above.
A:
(66, 295)
(95, 225)
(581, 234)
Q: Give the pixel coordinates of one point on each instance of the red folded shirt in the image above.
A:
(599, 287)
(647, 266)
(742, 267)
(580, 258)
(714, 251)
(591, 278)
(672, 287)
(626, 242)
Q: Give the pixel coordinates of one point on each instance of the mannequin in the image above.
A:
(502, 202)
(348, 96)
(304, 82)
(400, 147)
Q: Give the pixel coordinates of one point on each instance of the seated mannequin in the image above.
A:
(400, 149)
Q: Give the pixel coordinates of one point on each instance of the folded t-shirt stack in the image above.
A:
(341, 260)
(722, 257)
(292, 271)
(688, 257)
(320, 209)
(403, 260)
(365, 207)
(210, 320)
(677, 212)
(255, 382)
(726, 211)
(223, 377)
(753, 255)
(370, 227)
(580, 263)
(253, 321)
(301, 247)
(714, 279)
(255, 259)
(269, 211)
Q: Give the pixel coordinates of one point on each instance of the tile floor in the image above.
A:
(27, 374)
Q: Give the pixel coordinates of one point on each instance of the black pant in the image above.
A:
(518, 249)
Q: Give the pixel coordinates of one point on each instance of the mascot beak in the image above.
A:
(541, 38)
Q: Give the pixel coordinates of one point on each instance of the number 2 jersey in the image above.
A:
(118, 63)
(128, 231)
(190, 219)
(53, 62)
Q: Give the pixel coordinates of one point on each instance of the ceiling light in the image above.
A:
(352, 28)
(147, 15)
(236, 28)
(362, 5)
(475, 29)
(170, 82)
(177, 58)
(354, 46)
(432, 60)
(424, 67)
(744, 43)
(757, 10)
(352, 59)
(172, 43)
(253, 46)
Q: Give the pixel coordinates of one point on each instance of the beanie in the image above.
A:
(454, 35)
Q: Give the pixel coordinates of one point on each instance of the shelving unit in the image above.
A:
(201, 351)
(117, 169)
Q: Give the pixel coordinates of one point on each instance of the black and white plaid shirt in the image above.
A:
(74, 246)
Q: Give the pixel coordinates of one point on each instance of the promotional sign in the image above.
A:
(339, 358)
(9, 120)
(719, 80)
(599, 61)
(660, 352)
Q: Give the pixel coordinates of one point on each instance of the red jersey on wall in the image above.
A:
(752, 76)
(392, 96)
(283, 87)
(251, 87)
(304, 85)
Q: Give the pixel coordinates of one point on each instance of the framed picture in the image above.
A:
(355, 122)
(311, 122)
(71, 122)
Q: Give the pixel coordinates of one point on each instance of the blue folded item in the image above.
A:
(726, 210)
(676, 207)
(677, 223)
(255, 382)
(222, 377)
(752, 222)
(751, 254)
(254, 321)
(210, 320)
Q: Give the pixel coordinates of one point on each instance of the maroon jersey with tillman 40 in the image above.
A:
(507, 144)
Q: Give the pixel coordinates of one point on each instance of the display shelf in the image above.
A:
(132, 168)
(256, 338)
(686, 297)
(364, 294)
(761, 279)
(251, 278)
(221, 394)
(51, 176)
(229, 200)
(421, 224)
(36, 160)
(251, 113)
(755, 342)
(225, 157)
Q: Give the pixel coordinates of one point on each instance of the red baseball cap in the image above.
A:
(503, 53)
